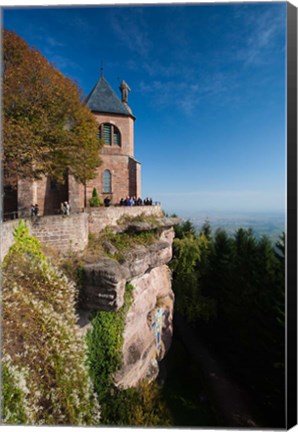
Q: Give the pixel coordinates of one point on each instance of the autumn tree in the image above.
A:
(47, 129)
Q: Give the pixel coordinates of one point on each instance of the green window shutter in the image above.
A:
(116, 137)
(107, 137)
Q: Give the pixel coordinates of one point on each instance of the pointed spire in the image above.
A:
(102, 98)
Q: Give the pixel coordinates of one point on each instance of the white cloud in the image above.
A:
(131, 31)
(263, 30)
(53, 42)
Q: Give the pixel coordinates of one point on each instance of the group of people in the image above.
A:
(128, 201)
(133, 201)
(34, 210)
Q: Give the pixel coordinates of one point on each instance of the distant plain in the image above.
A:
(269, 224)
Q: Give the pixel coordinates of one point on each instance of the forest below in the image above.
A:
(231, 291)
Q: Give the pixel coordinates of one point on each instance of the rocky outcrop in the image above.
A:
(103, 285)
(148, 326)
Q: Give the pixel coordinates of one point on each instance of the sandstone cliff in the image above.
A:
(148, 324)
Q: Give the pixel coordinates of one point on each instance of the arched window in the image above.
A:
(110, 134)
(107, 182)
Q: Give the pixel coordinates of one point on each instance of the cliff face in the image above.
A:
(148, 325)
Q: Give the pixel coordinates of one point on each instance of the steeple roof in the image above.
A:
(102, 98)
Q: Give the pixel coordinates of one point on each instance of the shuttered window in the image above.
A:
(116, 137)
(110, 134)
(107, 182)
(107, 134)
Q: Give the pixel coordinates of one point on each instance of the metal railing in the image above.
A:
(8, 216)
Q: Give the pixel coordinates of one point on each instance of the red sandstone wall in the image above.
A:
(50, 196)
(126, 128)
(62, 232)
(119, 167)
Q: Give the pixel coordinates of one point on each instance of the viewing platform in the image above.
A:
(70, 232)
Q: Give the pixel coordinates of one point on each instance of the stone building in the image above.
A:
(118, 176)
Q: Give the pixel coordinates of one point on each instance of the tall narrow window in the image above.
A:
(107, 182)
(107, 135)
(116, 137)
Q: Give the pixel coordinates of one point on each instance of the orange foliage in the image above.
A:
(47, 128)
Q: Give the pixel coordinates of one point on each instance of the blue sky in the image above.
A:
(208, 92)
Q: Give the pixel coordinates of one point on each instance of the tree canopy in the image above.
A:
(47, 128)
(237, 284)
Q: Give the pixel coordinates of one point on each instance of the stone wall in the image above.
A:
(64, 232)
(101, 217)
(61, 232)
(6, 236)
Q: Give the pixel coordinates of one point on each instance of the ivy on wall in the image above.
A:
(105, 341)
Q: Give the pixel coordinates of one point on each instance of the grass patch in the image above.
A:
(126, 219)
(116, 245)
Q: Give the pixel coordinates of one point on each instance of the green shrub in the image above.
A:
(13, 395)
(95, 201)
(140, 406)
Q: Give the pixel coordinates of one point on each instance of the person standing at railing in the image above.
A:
(32, 210)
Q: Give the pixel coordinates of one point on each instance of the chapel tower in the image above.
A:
(120, 174)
